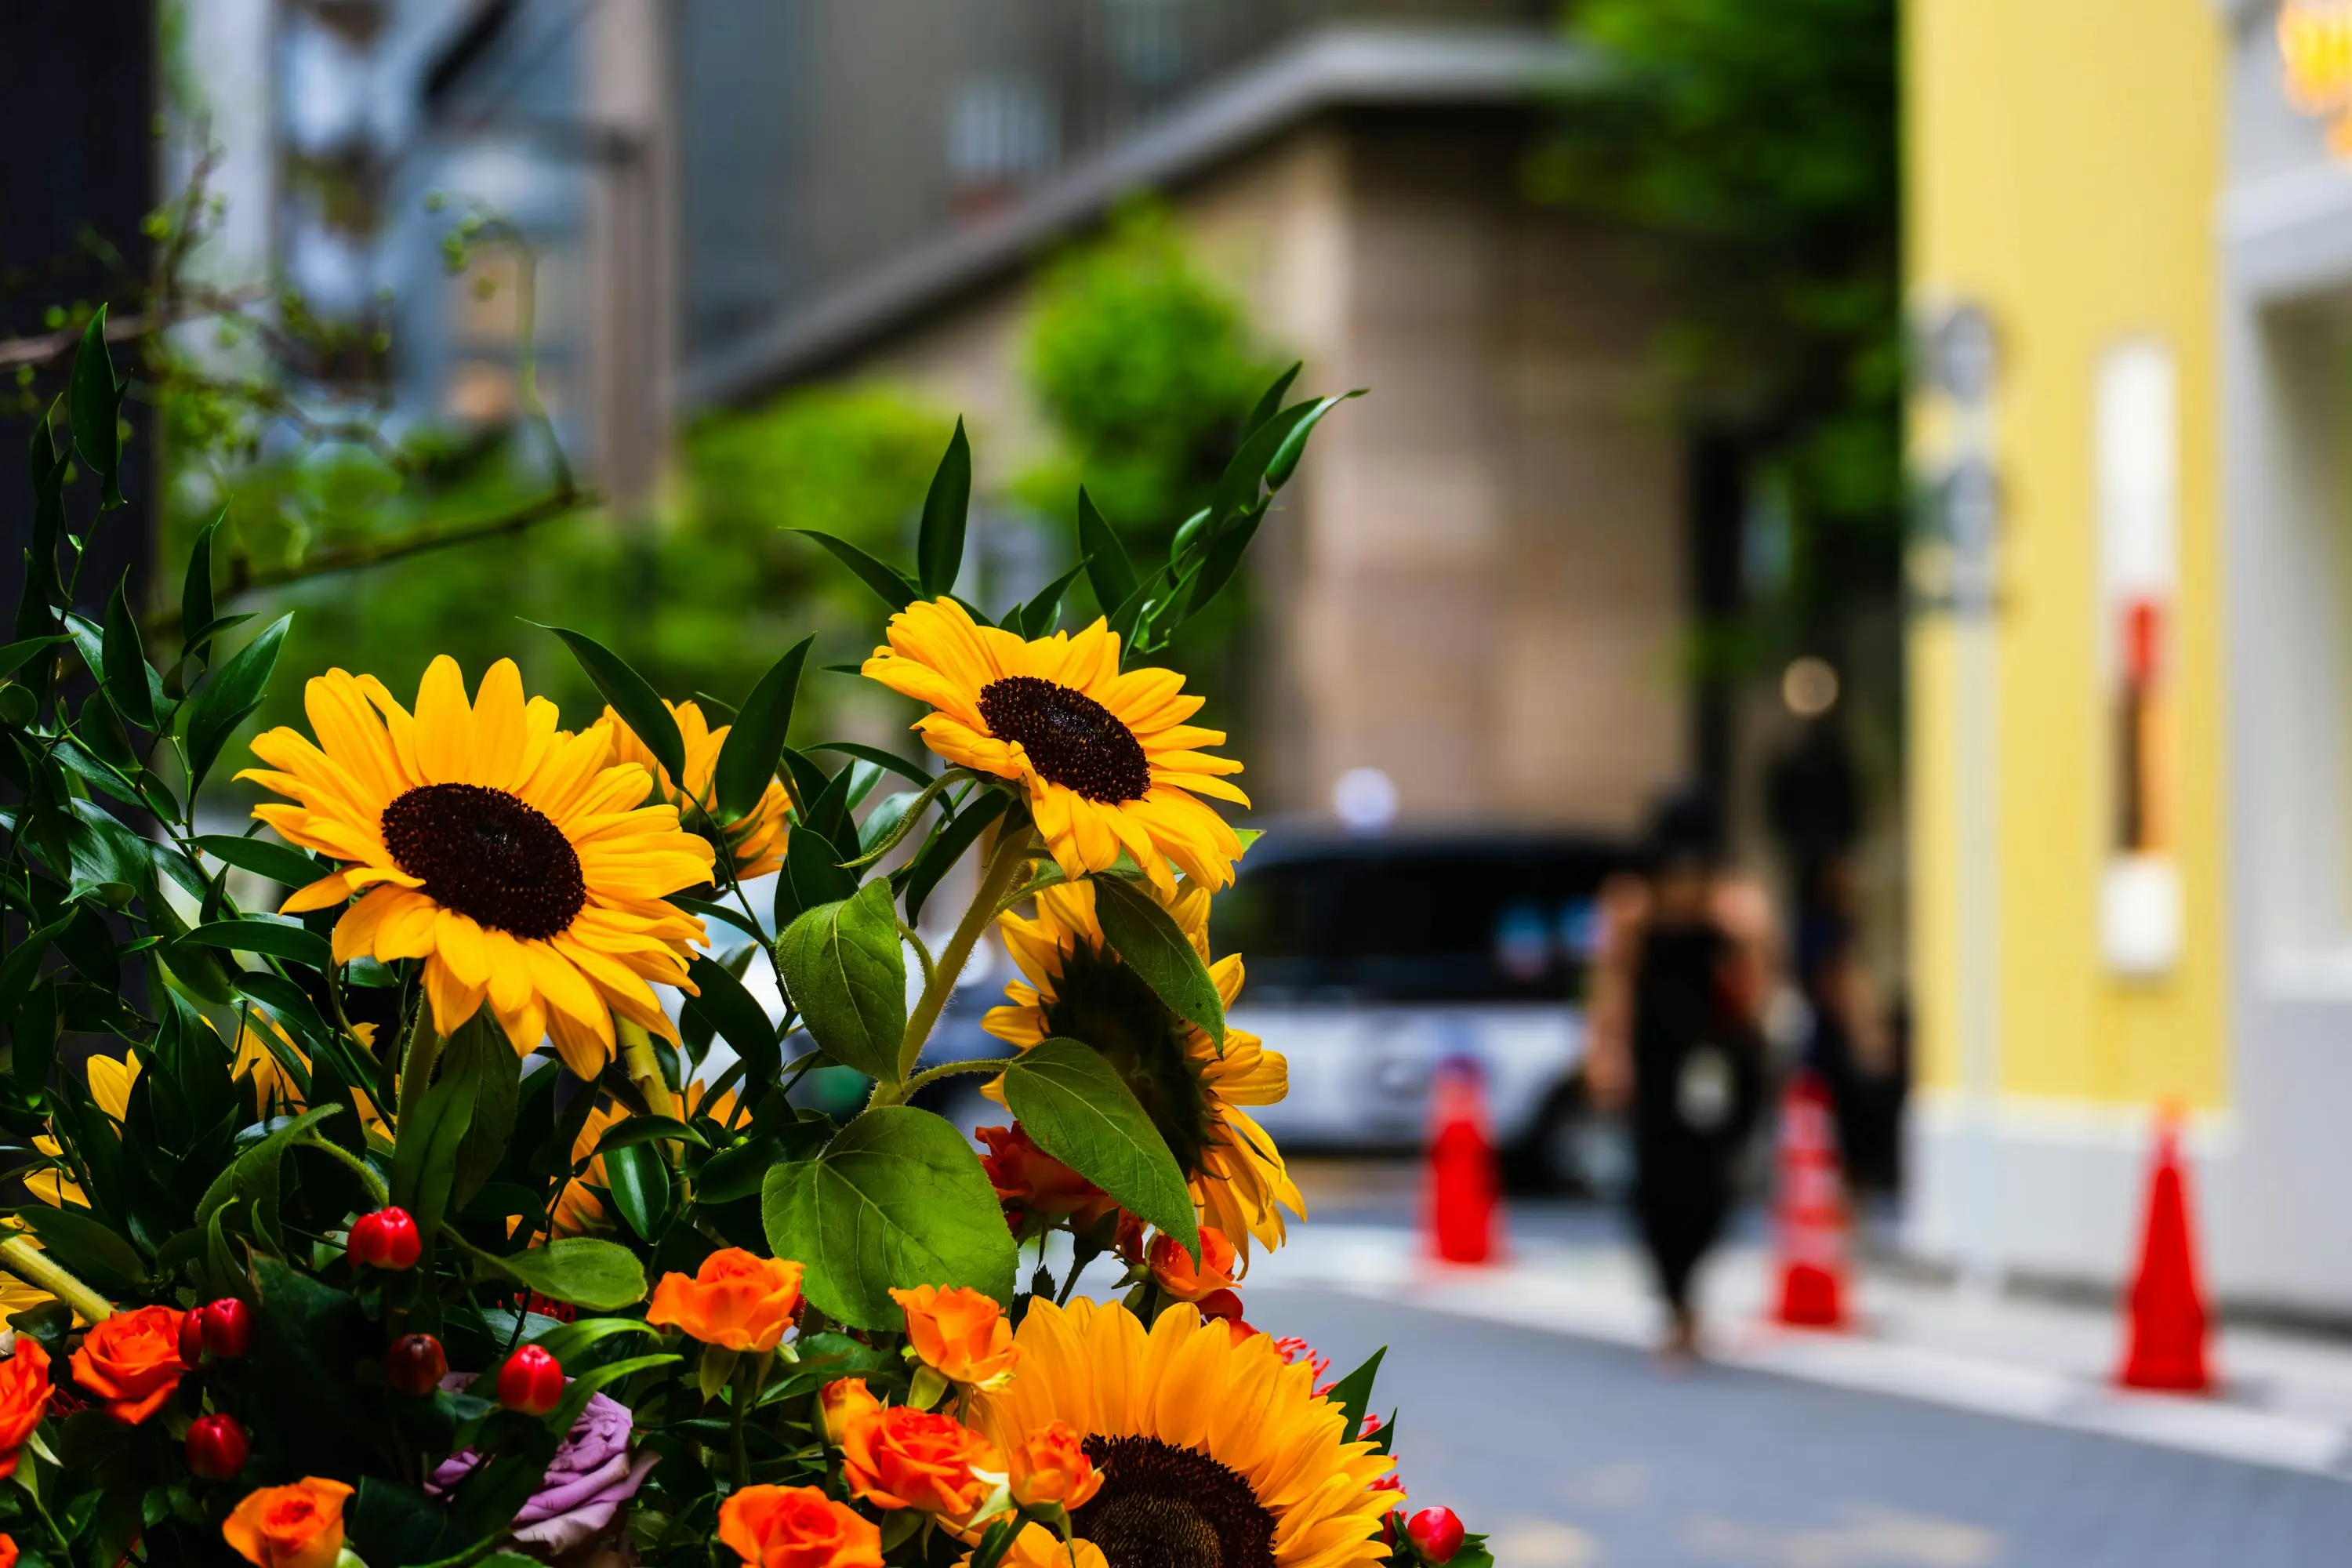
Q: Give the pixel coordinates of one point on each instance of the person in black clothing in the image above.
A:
(1678, 986)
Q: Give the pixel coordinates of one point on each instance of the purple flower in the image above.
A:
(590, 1478)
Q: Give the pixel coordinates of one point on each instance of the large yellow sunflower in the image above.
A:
(1106, 759)
(756, 839)
(1077, 987)
(1212, 1449)
(515, 858)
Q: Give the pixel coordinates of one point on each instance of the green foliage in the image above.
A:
(1765, 147)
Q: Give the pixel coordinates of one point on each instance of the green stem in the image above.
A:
(643, 1065)
(19, 1257)
(949, 1069)
(747, 1390)
(360, 1168)
(416, 1064)
(25, 1480)
(1005, 864)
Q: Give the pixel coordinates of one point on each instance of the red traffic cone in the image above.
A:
(1463, 1184)
(2168, 1321)
(1810, 1211)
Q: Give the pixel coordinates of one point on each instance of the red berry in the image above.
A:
(226, 1326)
(1437, 1533)
(216, 1447)
(386, 1239)
(192, 1338)
(416, 1364)
(532, 1382)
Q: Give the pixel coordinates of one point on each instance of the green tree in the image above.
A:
(1762, 143)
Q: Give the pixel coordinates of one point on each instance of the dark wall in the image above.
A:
(78, 98)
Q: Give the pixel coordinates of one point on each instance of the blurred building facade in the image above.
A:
(1479, 584)
(2163, 248)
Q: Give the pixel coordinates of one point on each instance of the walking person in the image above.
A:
(1678, 994)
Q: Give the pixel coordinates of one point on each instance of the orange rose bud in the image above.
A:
(845, 1400)
(796, 1527)
(7, 1551)
(297, 1526)
(961, 1334)
(1176, 1274)
(903, 1457)
(24, 1399)
(1025, 1174)
(132, 1362)
(734, 1300)
(1051, 1466)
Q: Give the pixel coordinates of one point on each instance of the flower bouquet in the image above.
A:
(405, 1223)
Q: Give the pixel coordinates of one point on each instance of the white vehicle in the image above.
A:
(1374, 960)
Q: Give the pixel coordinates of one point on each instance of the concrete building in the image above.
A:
(2132, 887)
(1479, 584)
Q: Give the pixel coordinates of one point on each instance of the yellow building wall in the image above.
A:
(2062, 158)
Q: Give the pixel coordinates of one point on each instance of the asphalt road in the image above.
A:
(1571, 1453)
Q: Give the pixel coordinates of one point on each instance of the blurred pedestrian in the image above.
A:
(1674, 1014)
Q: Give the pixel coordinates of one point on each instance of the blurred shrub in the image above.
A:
(1763, 143)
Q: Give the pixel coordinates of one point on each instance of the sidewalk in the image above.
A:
(2286, 1403)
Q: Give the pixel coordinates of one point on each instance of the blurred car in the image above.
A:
(1373, 959)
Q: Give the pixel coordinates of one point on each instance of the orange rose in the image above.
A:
(845, 1400)
(132, 1362)
(961, 1334)
(797, 1526)
(1052, 1467)
(24, 1393)
(300, 1526)
(7, 1551)
(1178, 1275)
(734, 1300)
(904, 1457)
(1025, 1174)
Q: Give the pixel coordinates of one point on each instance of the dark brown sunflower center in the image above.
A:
(1072, 740)
(1103, 1003)
(1165, 1506)
(484, 852)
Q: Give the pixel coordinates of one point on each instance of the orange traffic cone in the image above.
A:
(1810, 1211)
(1463, 1184)
(2167, 1320)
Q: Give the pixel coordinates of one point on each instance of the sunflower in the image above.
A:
(1106, 758)
(1077, 987)
(516, 859)
(255, 1056)
(111, 1079)
(1211, 1448)
(578, 1211)
(756, 839)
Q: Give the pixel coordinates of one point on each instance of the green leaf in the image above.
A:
(639, 705)
(1037, 618)
(1109, 571)
(601, 1276)
(258, 934)
(911, 771)
(847, 974)
(577, 1392)
(229, 698)
(495, 1100)
(632, 1130)
(892, 586)
(813, 875)
(425, 1154)
(736, 1014)
(1080, 1112)
(286, 867)
(938, 549)
(1151, 942)
(756, 741)
(1268, 404)
(897, 1199)
(127, 676)
(1284, 461)
(638, 1179)
(197, 587)
(14, 655)
(392, 1524)
(96, 398)
(1354, 1392)
(947, 846)
(88, 1247)
(253, 1177)
(105, 857)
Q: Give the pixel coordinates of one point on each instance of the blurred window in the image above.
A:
(1478, 920)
